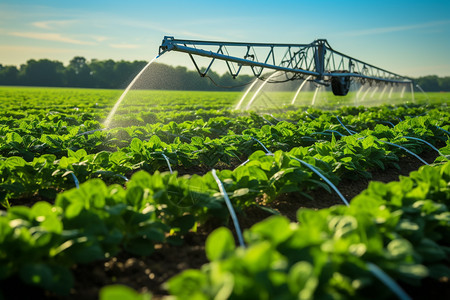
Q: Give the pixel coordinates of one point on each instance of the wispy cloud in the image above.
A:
(55, 37)
(124, 46)
(381, 30)
(34, 49)
(53, 24)
(99, 38)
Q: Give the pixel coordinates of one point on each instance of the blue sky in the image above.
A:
(411, 38)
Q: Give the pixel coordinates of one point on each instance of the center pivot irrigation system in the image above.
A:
(316, 62)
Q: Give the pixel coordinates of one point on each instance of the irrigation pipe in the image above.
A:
(388, 281)
(387, 122)
(75, 179)
(253, 138)
(275, 118)
(230, 208)
(348, 130)
(334, 131)
(267, 121)
(122, 176)
(443, 129)
(401, 147)
(267, 150)
(329, 130)
(244, 163)
(168, 162)
(100, 172)
(407, 150)
(91, 131)
(429, 144)
(309, 115)
(324, 178)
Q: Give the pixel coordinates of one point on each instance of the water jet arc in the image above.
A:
(108, 120)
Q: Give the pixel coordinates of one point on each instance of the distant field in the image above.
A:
(137, 101)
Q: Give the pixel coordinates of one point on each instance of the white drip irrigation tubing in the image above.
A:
(388, 281)
(315, 171)
(309, 115)
(255, 139)
(324, 178)
(401, 147)
(267, 121)
(91, 131)
(122, 176)
(168, 162)
(275, 118)
(268, 152)
(244, 163)
(230, 208)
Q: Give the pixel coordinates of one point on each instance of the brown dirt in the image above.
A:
(148, 274)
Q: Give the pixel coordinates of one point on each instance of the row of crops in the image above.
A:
(91, 193)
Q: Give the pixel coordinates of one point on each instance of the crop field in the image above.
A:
(182, 196)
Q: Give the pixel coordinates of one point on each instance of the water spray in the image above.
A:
(300, 88)
(259, 89)
(117, 104)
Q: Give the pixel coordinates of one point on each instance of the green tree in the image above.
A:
(78, 73)
(42, 72)
(429, 83)
(8, 75)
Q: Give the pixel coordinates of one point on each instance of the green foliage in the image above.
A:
(128, 201)
(121, 292)
(402, 227)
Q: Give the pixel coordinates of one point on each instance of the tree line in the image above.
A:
(110, 74)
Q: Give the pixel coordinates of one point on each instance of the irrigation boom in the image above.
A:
(316, 60)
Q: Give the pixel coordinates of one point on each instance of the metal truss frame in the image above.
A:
(316, 59)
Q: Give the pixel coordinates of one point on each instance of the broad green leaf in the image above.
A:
(399, 249)
(15, 161)
(189, 285)
(275, 229)
(302, 280)
(258, 257)
(219, 244)
(121, 292)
